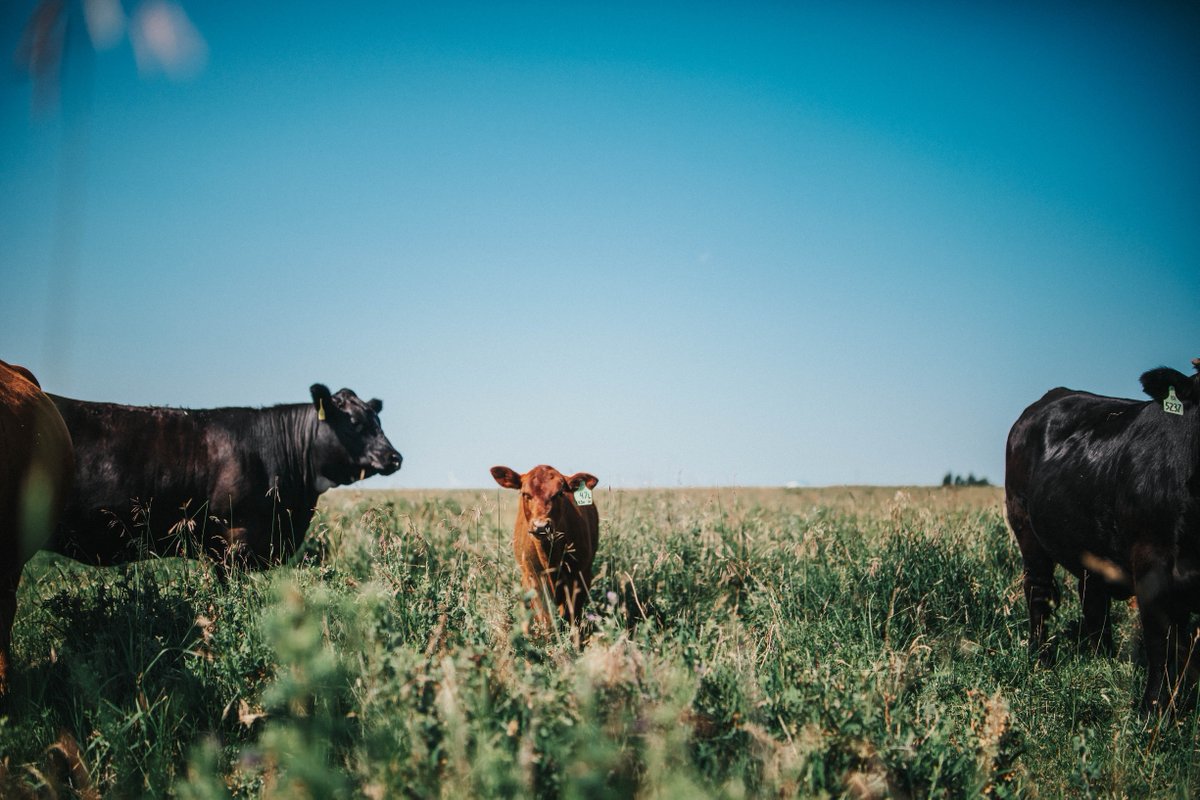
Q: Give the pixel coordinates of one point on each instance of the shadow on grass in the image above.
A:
(119, 666)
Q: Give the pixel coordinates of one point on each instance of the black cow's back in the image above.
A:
(240, 484)
(167, 481)
(1064, 477)
(1093, 473)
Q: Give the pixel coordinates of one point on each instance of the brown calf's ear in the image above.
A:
(585, 478)
(506, 477)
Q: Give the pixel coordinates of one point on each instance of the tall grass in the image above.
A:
(848, 642)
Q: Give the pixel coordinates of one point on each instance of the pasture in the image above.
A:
(861, 642)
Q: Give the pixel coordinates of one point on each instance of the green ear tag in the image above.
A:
(583, 496)
(1171, 404)
(320, 409)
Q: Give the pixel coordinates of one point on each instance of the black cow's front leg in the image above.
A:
(1163, 629)
(227, 549)
(1096, 634)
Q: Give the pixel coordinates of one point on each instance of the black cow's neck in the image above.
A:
(292, 429)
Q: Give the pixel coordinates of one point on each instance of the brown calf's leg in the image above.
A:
(543, 598)
(571, 596)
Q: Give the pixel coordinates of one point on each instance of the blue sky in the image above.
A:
(687, 243)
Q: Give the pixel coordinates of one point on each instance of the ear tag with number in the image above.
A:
(320, 409)
(583, 495)
(1171, 404)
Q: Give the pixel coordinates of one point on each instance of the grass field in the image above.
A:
(832, 642)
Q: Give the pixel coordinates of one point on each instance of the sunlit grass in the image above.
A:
(861, 642)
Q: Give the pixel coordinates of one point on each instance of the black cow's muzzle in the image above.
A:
(378, 465)
(389, 463)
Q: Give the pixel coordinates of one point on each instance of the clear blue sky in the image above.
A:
(687, 243)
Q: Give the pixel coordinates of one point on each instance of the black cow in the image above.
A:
(1110, 489)
(241, 483)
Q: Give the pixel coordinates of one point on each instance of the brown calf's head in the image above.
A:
(543, 491)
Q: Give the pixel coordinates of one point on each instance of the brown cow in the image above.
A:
(555, 537)
(36, 464)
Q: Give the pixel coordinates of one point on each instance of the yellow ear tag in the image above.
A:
(1171, 404)
(320, 409)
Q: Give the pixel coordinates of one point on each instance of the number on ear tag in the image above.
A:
(583, 496)
(1171, 404)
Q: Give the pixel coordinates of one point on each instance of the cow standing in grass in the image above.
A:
(240, 483)
(1110, 489)
(35, 471)
(555, 537)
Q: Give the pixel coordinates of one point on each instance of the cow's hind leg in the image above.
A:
(1096, 633)
(1041, 591)
(1042, 597)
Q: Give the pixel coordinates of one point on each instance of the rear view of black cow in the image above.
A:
(1110, 489)
(241, 483)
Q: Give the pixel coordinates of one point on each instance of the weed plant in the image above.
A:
(740, 643)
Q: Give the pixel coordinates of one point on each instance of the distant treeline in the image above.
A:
(958, 480)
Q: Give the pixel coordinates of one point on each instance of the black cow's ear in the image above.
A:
(506, 477)
(1158, 382)
(322, 401)
(376, 404)
(586, 478)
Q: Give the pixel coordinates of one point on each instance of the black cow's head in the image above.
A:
(350, 444)
(1157, 383)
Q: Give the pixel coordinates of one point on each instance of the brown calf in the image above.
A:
(36, 464)
(555, 537)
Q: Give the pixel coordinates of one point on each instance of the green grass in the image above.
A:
(839, 642)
